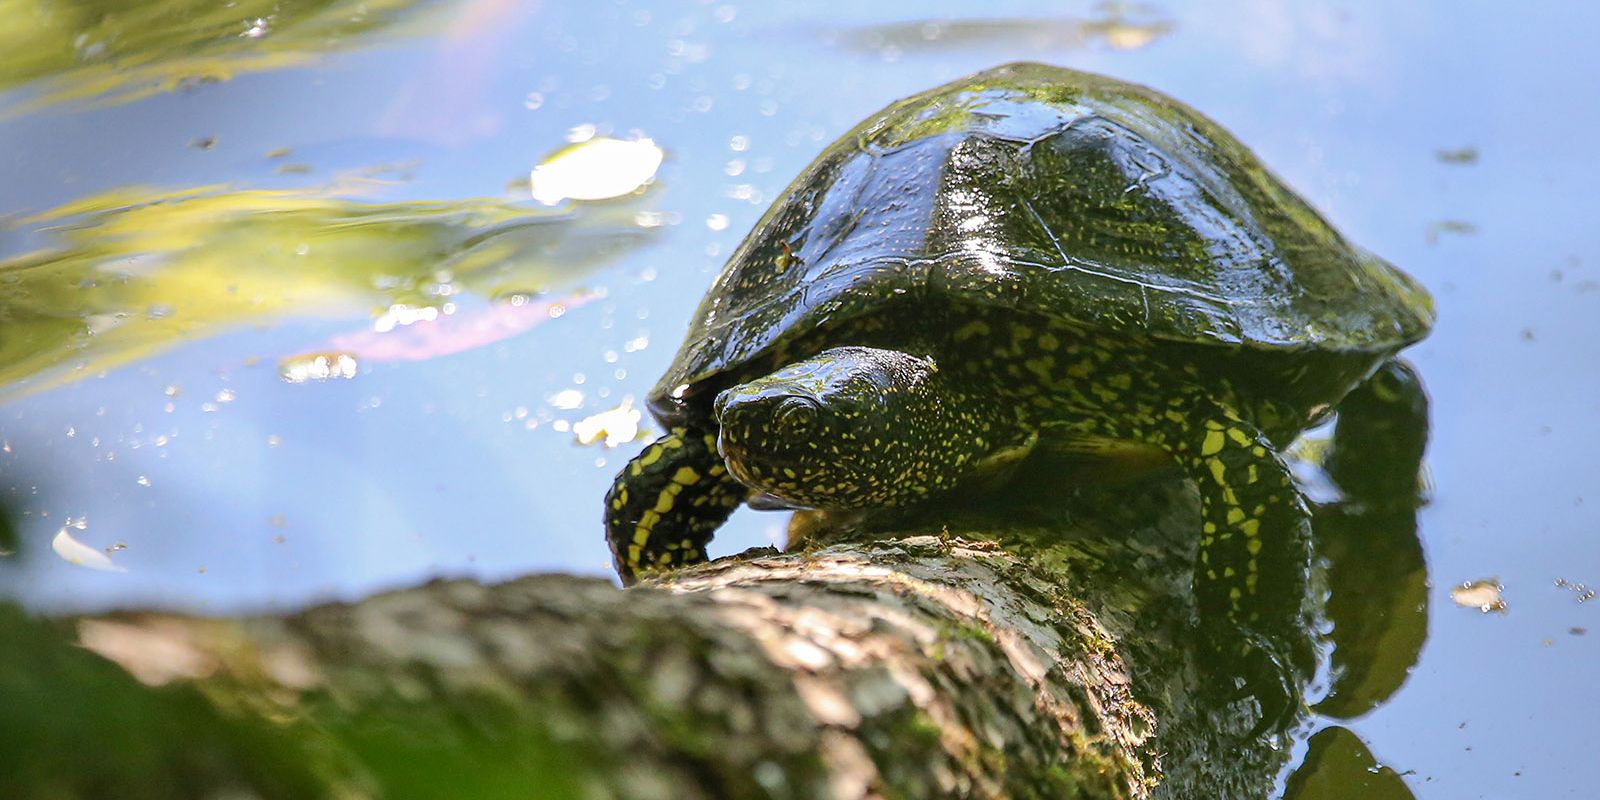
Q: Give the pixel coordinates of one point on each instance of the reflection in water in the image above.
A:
(113, 51)
(1367, 540)
(1120, 26)
(432, 336)
(1339, 766)
(131, 272)
(1377, 604)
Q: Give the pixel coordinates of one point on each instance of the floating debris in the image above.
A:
(1486, 595)
(596, 168)
(1461, 155)
(75, 552)
(566, 399)
(317, 367)
(617, 426)
(1454, 227)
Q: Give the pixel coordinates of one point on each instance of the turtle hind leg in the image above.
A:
(1379, 438)
(666, 504)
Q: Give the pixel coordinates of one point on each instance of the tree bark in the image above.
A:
(1029, 650)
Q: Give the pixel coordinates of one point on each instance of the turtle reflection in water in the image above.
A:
(1029, 252)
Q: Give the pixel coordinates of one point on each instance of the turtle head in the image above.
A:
(851, 427)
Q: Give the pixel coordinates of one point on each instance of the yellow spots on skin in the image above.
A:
(1021, 333)
(686, 476)
(1048, 341)
(1251, 527)
(1258, 451)
(1082, 369)
(1212, 446)
(1254, 546)
(1121, 380)
(651, 456)
(1235, 516)
(974, 328)
(1251, 474)
(1239, 437)
(667, 497)
(1175, 416)
(1219, 471)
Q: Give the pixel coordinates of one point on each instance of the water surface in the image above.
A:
(200, 201)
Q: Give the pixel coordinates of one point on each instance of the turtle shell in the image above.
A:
(1053, 192)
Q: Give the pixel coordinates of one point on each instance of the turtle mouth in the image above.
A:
(748, 465)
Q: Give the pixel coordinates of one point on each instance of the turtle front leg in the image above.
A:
(666, 504)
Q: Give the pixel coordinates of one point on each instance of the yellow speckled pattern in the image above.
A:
(667, 503)
(1024, 253)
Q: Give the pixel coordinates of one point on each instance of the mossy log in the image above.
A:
(1026, 651)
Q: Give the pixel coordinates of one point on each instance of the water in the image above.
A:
(207, 208)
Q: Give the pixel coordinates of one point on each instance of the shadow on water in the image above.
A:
(106, 52)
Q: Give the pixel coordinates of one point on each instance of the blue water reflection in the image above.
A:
(465, 463)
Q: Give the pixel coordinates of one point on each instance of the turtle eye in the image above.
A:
(795, 414)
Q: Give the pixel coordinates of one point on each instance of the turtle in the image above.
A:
(1029, 253)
